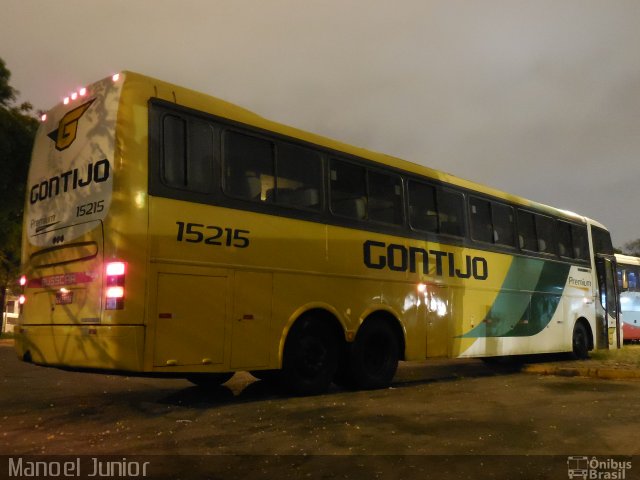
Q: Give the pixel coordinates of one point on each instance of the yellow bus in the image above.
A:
(168, 232)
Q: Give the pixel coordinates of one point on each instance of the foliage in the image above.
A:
(632, 248)
(7, 92)
(17, 131)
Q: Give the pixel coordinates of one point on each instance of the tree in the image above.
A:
(17, 131)
(632, 248)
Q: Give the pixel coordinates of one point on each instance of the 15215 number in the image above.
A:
(212, 235)
(89, 208)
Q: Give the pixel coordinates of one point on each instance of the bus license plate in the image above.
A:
(64, 298)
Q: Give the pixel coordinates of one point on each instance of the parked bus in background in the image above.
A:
(172, 233)
(628, 269)
(10, 313)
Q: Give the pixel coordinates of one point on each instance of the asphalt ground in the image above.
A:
(439, 419)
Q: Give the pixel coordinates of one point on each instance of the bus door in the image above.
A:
(438, 307)
(608, 312)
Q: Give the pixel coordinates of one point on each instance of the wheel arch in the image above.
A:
(322, 311)
(585, 323)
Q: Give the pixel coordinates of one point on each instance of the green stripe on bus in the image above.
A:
(528, 299)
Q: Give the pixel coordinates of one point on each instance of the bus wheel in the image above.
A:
(310, 357)
(374, 355)
(209, 380)
(580, 342)
(342, 377)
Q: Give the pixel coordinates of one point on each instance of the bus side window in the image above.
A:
(481, 224)
(174, 151)
(385, 198)
(492, 222)
(450, 212)
(434, 209)
(187, 164)
(580, 242)
(565, 248)
(422, 207)
(503, 224)
(248, 166)
(545, 229)
(348, 190)
(527, 237)
(601, 241)
(299, 182)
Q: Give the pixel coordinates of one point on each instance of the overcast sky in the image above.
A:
(539, 98)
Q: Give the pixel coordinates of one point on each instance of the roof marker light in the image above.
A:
(66, 100)
(74, 95)
(43, 117)
(116, 77)
(83, 92)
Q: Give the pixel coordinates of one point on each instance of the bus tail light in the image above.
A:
(115, 273)
(22, 298)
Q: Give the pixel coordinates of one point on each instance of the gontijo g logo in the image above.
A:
(67, 129)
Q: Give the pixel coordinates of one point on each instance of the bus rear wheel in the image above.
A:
(374, 355)
(209, 380)
(310, 357)
(580, 342)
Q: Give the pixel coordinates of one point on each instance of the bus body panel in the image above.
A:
(65, 283)
(118, 347)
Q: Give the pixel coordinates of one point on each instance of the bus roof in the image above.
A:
(627, 259)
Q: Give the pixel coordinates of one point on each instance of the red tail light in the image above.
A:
(115, 273)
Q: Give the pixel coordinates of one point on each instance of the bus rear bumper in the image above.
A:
(102, 347)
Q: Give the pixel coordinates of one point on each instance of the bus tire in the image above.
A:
(580, 342)
(310, 357)
(342, 377)
(209, 380)
(374, 355)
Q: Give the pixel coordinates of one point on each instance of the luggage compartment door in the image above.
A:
(190, 319)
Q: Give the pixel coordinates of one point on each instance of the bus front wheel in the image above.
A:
(310, 357)
(374, 355)
(580, 342)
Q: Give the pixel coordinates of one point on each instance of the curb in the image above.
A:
(602, 373)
